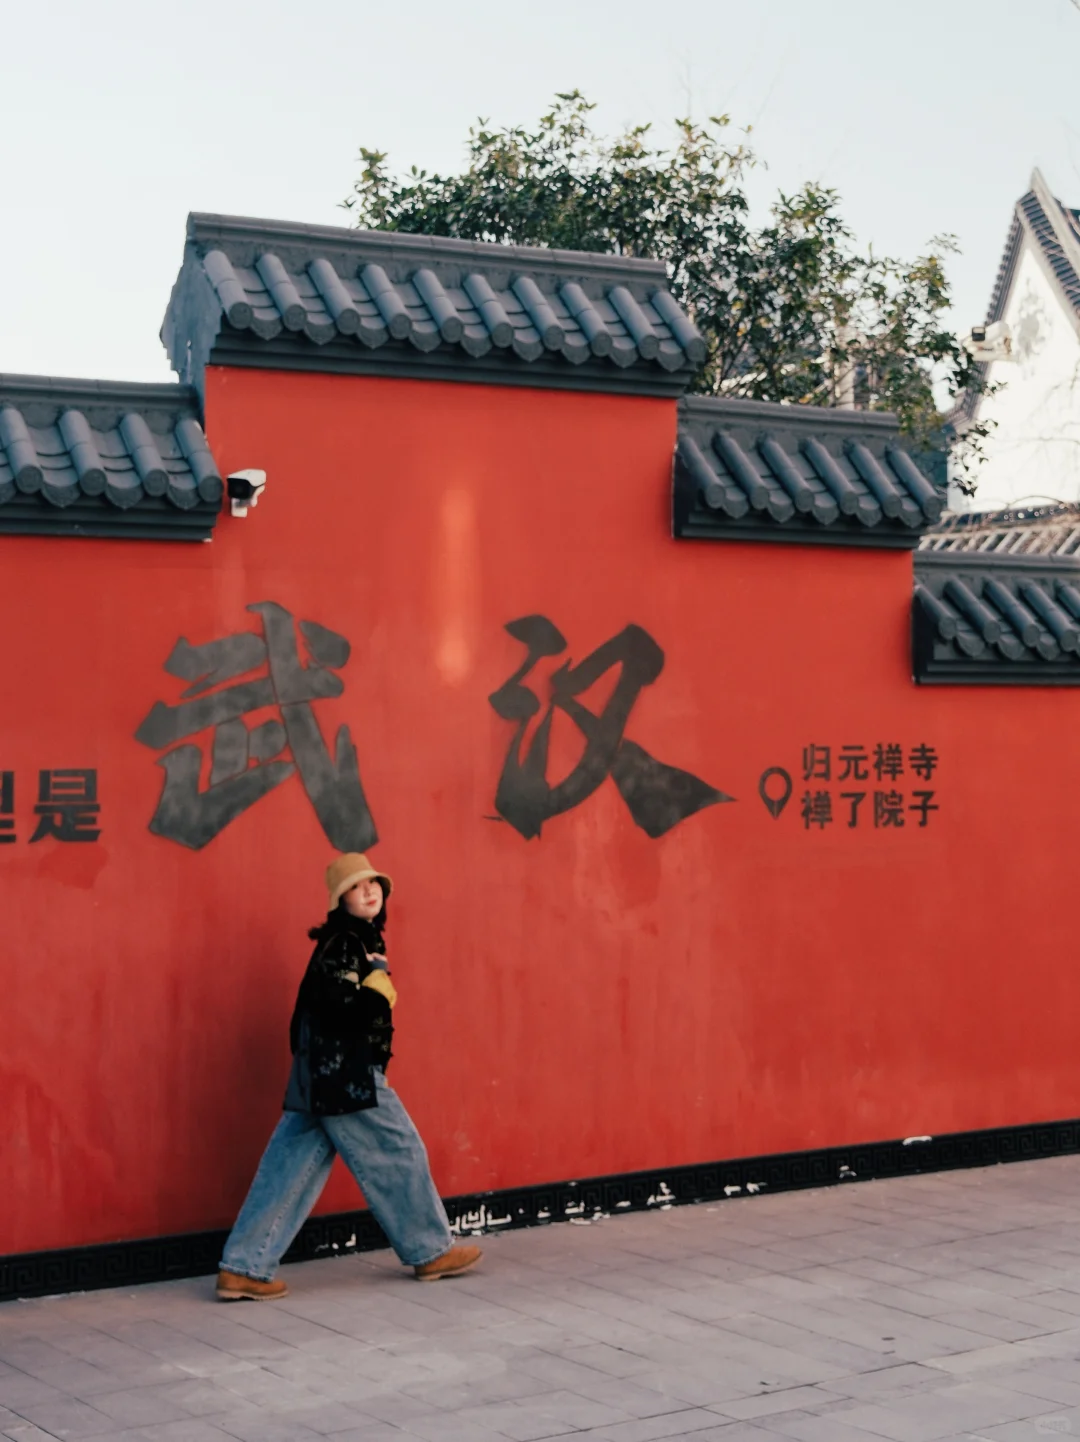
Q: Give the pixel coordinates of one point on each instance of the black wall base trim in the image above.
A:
(196, 1254)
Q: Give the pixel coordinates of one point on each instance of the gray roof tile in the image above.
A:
(1049, 224)
(93, 458)
(751, 470)
(1052, 227)
(989, 619)
(264, 293)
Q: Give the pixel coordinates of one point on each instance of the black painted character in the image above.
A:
(888, 808)
(658, 796)
(817, 763)
(923, 760)
(817, 809)
(192, 816)
(7, 808)
(67, 805)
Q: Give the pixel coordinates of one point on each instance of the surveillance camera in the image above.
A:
(244, 489)
(988, 343)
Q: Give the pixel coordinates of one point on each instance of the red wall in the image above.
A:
(590, 1002)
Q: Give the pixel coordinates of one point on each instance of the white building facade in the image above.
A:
(1034, 447)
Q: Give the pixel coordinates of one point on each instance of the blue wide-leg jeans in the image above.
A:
(385, 1154)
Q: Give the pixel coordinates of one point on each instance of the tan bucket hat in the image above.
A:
(349, 868)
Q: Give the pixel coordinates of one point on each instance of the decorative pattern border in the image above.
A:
(196, 1254)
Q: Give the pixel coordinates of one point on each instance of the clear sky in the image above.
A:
(119, 117)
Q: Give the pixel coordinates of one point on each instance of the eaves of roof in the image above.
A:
(995, 620)
(752, 470)
(321, 298)
(1048, 530)
(1052, 230)
(105, 459)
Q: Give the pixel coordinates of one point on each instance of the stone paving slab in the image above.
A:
(926, 1309)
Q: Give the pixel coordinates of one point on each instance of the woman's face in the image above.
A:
(365, 899)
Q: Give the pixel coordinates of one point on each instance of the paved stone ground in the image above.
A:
(936, 1307)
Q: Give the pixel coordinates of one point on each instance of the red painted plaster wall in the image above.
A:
(590, 1002)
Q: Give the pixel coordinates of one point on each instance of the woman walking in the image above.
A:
(338, 1100)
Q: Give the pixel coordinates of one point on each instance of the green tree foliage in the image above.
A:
(792, 310)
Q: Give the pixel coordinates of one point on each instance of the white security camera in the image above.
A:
(989, 342)
(244, 489)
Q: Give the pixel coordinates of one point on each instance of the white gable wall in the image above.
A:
(1034, 451)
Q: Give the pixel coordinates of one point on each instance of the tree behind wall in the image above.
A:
(792, 311)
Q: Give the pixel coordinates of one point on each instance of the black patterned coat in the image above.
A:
(340, 1030)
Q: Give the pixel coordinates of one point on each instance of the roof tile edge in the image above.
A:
(763, 471)
(254, 293)
(105, 459)
(995, 620)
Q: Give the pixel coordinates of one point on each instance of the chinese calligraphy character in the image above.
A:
(888, 761)
(854, 760)
(67, 806)
(7, 807)
(922, 805)
(816, 809)
(888, 808)
(923, 759)
(854, 797)
(244, 761)
(658, 796)
(816, 763)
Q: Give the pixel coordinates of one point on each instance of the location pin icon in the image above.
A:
(775, 804)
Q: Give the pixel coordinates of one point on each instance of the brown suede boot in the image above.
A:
(232, 1287)
(450, 1264)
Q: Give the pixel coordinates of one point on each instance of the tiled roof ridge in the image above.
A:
(996, 560)
(205, 228)
(60, 392)
(785, 412)
(751, 470)
(164, 391)
(1007, 268)
(1038, 510)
